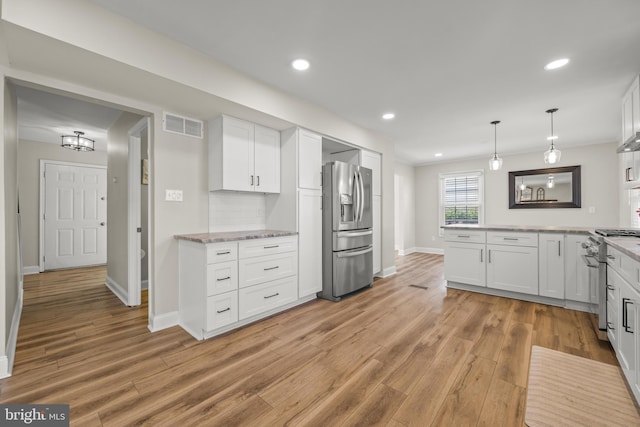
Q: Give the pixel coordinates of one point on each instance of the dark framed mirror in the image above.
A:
(548, 188)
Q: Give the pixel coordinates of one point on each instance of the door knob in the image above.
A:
(102, 224)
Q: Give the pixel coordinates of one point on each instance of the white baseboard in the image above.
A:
(4, 367)
(6, 362)
(386, 272)
(31, 269)
(163, 321)
(435, 251)
(408, 251)
(117, 290)
(144, 284)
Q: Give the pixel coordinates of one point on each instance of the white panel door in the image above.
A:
(309, 160)
(309, 242)
(373, 161)
(267, 160)
(551, 265)
(75, 230)
(237, 147)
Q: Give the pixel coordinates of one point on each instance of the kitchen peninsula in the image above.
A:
(230, 279)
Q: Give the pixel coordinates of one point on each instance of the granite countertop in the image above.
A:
(522, 228)
(627, 245)
(230, 236)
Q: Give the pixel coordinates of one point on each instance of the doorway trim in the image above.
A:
(43, 165)
(135, 212)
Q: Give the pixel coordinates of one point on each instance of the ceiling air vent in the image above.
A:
(182, 125)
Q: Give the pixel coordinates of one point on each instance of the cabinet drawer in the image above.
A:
(222, 252)
(222, 277)
(612, 328)
(266, 268)
(266, 296)
(260, 247)
(470, 236)
(512, 238)
(222, 310)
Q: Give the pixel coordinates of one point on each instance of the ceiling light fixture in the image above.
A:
(558, 63)
(300, 64)
(552, 155)
(550, 182)
(495, 163)
(388, 116)
(77, 142)
(522, 186)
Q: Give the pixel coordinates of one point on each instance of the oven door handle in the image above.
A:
(590, 264)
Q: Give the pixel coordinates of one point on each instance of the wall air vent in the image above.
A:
(182, 125)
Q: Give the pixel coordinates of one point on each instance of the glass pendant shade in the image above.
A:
(77, 142)
(552, 155)
(495, 163)
(550, 182)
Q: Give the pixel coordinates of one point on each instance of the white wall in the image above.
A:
(29, 155)
(405, 208)
(118, 199)
(599, 164)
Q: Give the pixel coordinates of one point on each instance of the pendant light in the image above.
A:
(552, 155)
(550, 182)
(77, 142)
(495, 163)
(522, 186)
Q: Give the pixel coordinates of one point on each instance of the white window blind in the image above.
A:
(461, 198)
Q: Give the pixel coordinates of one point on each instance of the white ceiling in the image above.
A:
(45, 117)
(446, 68)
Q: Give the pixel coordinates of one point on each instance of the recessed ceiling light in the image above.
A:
(558, 63)
(300, 64)
(438, 154)
(388, 116)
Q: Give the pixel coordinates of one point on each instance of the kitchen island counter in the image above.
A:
(522, 228)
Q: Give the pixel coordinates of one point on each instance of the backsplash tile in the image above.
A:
(230, 211)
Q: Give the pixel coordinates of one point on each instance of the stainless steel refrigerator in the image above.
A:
(347, 233)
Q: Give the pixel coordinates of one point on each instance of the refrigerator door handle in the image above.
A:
(356, 195)
(361, 195)
(354, 233)
(348, 254)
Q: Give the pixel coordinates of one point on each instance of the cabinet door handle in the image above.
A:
(611, 288)
(222, 279)
(481, 250)
(610, 326)
(258, 180)
(464, 236)
(513, 239)
(271, 296)
(271, 247)
(611, 257)
(222, 311)
(489, 260)
(251, 180)
(559, 254)
(271, 268)
(223, 253)
(625, 314)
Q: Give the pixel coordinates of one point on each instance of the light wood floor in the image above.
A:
(393, 355)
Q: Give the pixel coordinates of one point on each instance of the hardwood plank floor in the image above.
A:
(408, 352)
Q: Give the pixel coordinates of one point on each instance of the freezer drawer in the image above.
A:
(352, 270)
(344, 240)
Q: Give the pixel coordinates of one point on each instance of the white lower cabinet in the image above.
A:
(376, 202)
(309, 242)
(465, 263)
(512, 262)
(266, 296)
(224, 284)
(551, 265)
(576, 272)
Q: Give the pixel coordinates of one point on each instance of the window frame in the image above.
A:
(481, 202)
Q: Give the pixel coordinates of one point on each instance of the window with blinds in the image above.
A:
(461, 198)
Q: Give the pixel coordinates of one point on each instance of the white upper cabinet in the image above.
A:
(309, 160)
(243, 156)
(373, 161)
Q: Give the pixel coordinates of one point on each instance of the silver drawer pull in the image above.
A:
(611, 288)
(610, 326)
(465, 236)
(223, 253)
(271, 268)
(271, 296)
(222, 311)
(611, 257)
(514, 239)
(223, 279)
(272, 247)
